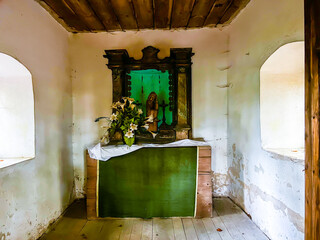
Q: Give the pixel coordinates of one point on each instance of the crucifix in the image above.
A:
(163, 124)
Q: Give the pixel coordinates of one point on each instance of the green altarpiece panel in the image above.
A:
(150, 182)
(143, 82)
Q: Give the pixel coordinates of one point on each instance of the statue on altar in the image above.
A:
(152, 107)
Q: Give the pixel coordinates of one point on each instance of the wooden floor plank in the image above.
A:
(91, 230)
(66, 228)
(126, 229)
(178, 229)
(147, 229)
(229, 222)
(136, 229)
(219, 225)
(189, 229)
(211, 229)
(245, 226)
(111, 229)
(200, 229)
(162, 229)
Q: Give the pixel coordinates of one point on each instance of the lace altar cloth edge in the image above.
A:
(106, 152)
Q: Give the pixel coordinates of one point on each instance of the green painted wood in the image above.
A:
(150, 182)
(143, 82)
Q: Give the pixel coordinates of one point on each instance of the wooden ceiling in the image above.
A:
(121, 15)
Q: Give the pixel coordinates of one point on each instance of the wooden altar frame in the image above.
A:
(178, 64)
(204, 185)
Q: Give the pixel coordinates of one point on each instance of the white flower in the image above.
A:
(129, 134)
(150, 118)
(113, 117)
(146, 126)
(140, 111)
(133, 127)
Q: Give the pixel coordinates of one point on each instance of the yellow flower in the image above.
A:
(153, 134)
(140, 111)
(131, 100)
(132, 106)
(115, 105)
(146, 126)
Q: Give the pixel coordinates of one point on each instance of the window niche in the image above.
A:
(282, 101)
(169, 78)
(17, 138)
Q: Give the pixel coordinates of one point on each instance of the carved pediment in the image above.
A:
(150, 54)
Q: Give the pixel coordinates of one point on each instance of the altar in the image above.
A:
(165, 173)
(172, 181)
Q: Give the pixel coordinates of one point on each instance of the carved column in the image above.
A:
(182, 128)
(182, 59)
(117, 61)
(117, 84)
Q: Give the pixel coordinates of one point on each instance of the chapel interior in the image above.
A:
(220, 85)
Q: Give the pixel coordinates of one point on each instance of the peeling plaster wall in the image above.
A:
(35, 192)
(92, 87)
(269, 187)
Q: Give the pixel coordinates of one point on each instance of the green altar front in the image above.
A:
(150, 182)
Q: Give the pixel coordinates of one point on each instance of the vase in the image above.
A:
(129, 141)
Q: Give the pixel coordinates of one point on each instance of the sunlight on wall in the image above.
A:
(282, 99)
(16, 110)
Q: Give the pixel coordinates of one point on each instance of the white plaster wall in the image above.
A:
(282, 98)
(269, 187)
(92, 87)
(35, 192)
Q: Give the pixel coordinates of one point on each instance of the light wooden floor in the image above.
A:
(228, 222)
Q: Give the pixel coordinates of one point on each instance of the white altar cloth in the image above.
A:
(104, 153)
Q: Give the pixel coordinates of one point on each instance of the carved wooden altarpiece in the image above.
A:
(178, 64)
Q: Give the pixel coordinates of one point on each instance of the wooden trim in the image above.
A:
(204, 188)
(91, 187)
(312, 169)
(204, 185)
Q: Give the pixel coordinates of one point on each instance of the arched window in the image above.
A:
(17, 141)
(282, 101)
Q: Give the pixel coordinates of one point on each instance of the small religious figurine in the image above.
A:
(152, 111)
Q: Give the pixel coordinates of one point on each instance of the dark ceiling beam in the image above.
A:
(233, 10)
(115, 15)
(67, 15)
(134, 13)
(190, 15)
(153, 14)
(103, 10)
(217, 12)
(200, 12)
(161, 13)
(170, 14)
(85, 12)
(125, 13)
(144, 13)
(181, 13)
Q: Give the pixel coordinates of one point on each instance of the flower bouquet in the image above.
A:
(126, 118)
